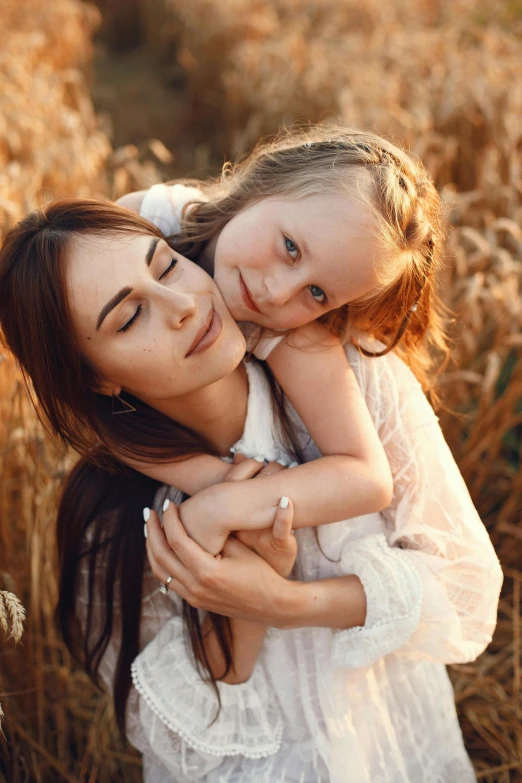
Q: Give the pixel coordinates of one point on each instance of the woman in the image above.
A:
(414, 587)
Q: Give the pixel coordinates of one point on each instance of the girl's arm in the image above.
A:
(353, 477)
(189, 475)
(311, 367)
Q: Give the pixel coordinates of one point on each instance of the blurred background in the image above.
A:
(105, 98)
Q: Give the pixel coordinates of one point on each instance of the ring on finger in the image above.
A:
(265, 472)
(164, 589)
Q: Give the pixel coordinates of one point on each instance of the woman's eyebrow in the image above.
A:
(151, 251)
(111, 304)
(120, 296)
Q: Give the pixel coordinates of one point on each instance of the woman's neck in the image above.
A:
(216, 412)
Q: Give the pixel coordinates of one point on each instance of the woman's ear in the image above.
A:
(106, 388)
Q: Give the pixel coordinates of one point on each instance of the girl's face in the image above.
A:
(283, 263)
(148, 320)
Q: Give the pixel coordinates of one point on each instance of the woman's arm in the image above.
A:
(242, 586)
(433, 579)
(278, 547)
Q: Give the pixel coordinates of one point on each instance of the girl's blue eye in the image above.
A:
(169, 268)
(317, 293)
(292, 248)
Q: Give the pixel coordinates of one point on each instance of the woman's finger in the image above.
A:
(233, 547)
(284, 517)
(162, 553)
(162, 576)
(191, 556)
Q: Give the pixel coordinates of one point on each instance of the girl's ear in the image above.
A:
(106, 388)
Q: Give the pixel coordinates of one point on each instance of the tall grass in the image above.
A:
(441, 77)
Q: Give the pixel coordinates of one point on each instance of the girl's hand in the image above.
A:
(209, 516)
(238, 584)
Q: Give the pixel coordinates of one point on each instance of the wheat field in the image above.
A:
(443, 78)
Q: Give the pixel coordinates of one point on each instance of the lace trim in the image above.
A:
(361, 647)
(235, 749)
(381, 635)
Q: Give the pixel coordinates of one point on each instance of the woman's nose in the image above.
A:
(179, 306)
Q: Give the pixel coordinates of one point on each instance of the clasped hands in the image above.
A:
(247, 579)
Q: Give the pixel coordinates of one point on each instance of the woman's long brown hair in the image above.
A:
(101, 548)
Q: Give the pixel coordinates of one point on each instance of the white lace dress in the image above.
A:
(371, 704)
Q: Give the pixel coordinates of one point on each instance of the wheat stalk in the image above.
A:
(12, 615)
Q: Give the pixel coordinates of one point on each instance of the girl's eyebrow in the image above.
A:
(124, 292)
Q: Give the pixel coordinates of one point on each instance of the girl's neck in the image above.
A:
(216, 412)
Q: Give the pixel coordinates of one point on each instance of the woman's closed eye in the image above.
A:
(291, 249)
(170, 267)
(136, 315)
(131, 320)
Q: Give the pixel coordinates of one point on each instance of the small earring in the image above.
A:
(126, 407)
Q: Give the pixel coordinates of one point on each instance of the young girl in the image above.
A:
(306, 226)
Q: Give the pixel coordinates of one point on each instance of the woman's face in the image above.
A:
(283, 263)
(148, 320)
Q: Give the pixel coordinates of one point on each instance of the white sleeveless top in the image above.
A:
(371, 704)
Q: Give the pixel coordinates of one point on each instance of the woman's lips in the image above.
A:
(208, 335)
(247, 296)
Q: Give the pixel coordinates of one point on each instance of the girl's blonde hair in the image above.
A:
(406, 314)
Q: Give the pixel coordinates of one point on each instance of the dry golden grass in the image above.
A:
(440, 76)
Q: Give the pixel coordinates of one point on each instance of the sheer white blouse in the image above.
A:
(371, 704)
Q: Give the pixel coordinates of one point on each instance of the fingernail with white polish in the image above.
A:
(283, 503)
(282, 462)
(146, 514)
(293, 464)
(166, 504)
(259, 458)
(145, 530)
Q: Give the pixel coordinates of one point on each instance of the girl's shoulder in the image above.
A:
(163, 205)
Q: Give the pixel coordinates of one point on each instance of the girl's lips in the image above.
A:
(210, 336)
(247, 296)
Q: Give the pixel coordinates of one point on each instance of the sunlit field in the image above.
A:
(441, 76)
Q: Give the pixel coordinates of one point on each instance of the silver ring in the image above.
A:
(164, 589)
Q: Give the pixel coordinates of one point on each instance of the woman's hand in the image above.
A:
(238, 584)
(274, 544)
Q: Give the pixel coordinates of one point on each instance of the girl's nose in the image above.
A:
(279, 289)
